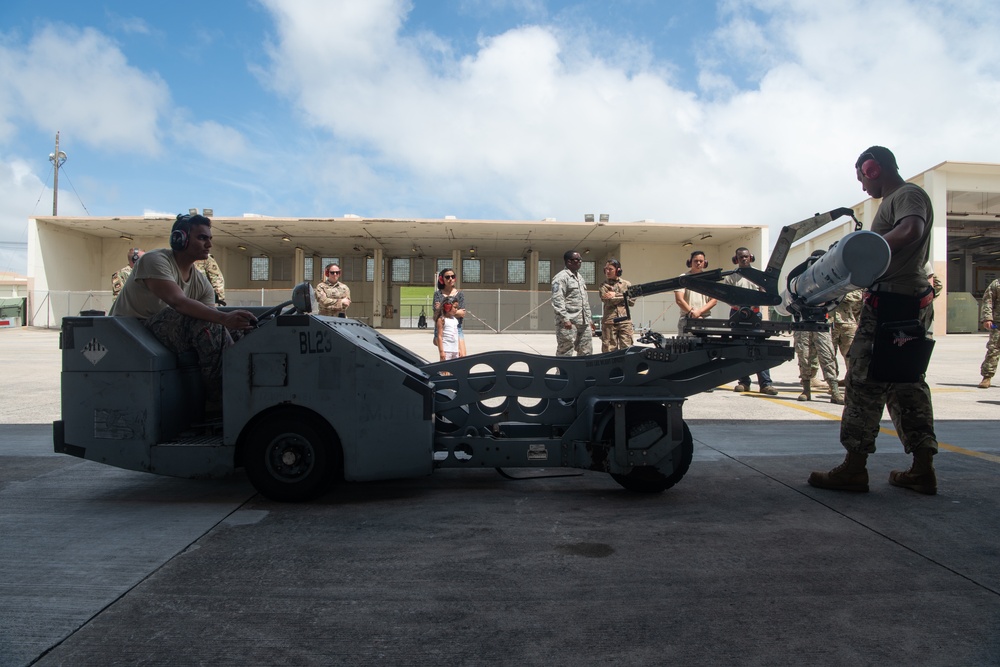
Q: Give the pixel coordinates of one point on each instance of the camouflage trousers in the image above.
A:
(616, 336)
(181, 333)
(909, 403)
(989, 367)
(810, 345)
(579, 338)
(843, 336)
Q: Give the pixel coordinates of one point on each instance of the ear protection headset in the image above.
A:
(871, 169)
(618, 267)
(179, 240)
(179, 237)
(737, 261)
(696, 252)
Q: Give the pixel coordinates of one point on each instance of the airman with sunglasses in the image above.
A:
(333, 296)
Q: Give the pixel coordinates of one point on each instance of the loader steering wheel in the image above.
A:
(271, 313)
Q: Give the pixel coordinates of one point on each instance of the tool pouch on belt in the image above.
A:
(902, 350)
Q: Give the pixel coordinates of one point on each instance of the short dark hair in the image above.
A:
(185, 221)
(696, 252)
(741, 248)
(880, 154)
(614, 262)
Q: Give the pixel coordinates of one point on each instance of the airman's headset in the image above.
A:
(870, 168)
(874, 160)
(618, 266)
(696, 252)
(180, 233)
(737, 261)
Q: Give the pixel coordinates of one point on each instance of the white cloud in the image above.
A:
(537, 124)
(221, 143)
(80, 82)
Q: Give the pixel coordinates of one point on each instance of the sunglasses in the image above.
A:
(333, 272)
(449, 277)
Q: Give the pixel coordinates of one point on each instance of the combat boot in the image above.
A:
(740, 388)
(851, 475)
(817, 383)
(806, 394)
(835, 396)
(985, 384)
(920, 477)
(769, 390)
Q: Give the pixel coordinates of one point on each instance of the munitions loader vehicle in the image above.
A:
(309, 400)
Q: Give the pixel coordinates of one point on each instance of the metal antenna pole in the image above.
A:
(57, 159)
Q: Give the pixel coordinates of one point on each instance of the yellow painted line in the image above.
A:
(969, 452)
(887, 431)
(798, 405)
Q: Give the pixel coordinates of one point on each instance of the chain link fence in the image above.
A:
(497, 311)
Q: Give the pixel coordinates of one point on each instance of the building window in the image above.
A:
(401, 270)
(443, 264)
(307, 271)
(369, 269)
(589, 272)
(544, 272)
(471, 271)
(260, 268)
(516, 271)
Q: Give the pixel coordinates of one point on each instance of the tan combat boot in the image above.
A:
(851, 475)
(835, 396)
(920, 477)
(806, 394)
(985, 384)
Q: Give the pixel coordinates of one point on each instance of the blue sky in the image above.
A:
(688, 111)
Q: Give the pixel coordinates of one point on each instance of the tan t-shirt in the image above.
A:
(136, 300)
(906, 267)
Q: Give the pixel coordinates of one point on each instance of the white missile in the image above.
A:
(854, 262)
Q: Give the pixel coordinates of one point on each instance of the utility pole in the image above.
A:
(57, 159)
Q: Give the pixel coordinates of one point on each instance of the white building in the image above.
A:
(70, 260)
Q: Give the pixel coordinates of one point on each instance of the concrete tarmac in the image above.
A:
(741, 563)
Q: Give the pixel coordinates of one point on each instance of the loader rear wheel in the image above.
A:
(290, 460)
(651, 479)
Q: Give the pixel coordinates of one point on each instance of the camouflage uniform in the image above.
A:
(569, 301)
(909, 403)
(813, 344)
(180, 333)
(989, 311)
(330, 297)
(211, 269)
(845, 322)
(615, 335)
(118, 279)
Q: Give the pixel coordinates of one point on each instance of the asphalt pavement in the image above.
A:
(741, 563)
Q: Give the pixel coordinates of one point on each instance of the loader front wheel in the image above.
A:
(290, 460)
